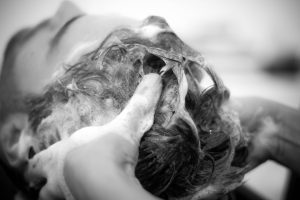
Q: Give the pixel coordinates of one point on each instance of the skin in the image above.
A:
(124, 182)
(276, 135)
(116, 156)
(275, 130)
(275, 127)
(100, 153)
(45, 57)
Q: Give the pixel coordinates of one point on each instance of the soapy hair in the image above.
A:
(175, 160)
(190, 147)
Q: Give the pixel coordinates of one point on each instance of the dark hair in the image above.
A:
(177, 159)
(174, 162)
(194, 142)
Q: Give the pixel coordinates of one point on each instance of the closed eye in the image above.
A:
(62, 31)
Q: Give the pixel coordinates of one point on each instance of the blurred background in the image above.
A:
(253, 44)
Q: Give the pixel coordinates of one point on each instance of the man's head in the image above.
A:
(193, 145)
(32, 58)
(35, 55)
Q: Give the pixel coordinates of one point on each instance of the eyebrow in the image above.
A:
(25, 34)
(62, 31)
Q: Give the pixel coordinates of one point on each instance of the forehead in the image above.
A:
(13, 48)
(22, 36)
(14, 75)
(33, 67)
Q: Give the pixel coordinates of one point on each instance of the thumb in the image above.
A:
(138, 115)
(44, 164)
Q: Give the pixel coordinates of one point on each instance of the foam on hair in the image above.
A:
(195, 146)
(175, 160)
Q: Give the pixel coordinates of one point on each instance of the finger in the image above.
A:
(149, 88)
(36, 172)
(42, 164)
(137, 117)
(45, 194)
(50, 191)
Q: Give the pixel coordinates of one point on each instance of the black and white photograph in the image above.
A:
(150, 100)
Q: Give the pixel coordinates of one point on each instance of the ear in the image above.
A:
(65, 12)
(15, 140)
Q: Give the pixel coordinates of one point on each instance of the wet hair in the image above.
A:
(188, 148)
(175, 160)
(173, 164)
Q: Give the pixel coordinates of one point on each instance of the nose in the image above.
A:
(65, 12)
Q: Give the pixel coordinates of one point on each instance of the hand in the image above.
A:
(93, 153)
(274, 130)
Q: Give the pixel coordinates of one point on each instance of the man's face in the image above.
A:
(59, 41)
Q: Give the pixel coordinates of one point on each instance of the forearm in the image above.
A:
(283, 131)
